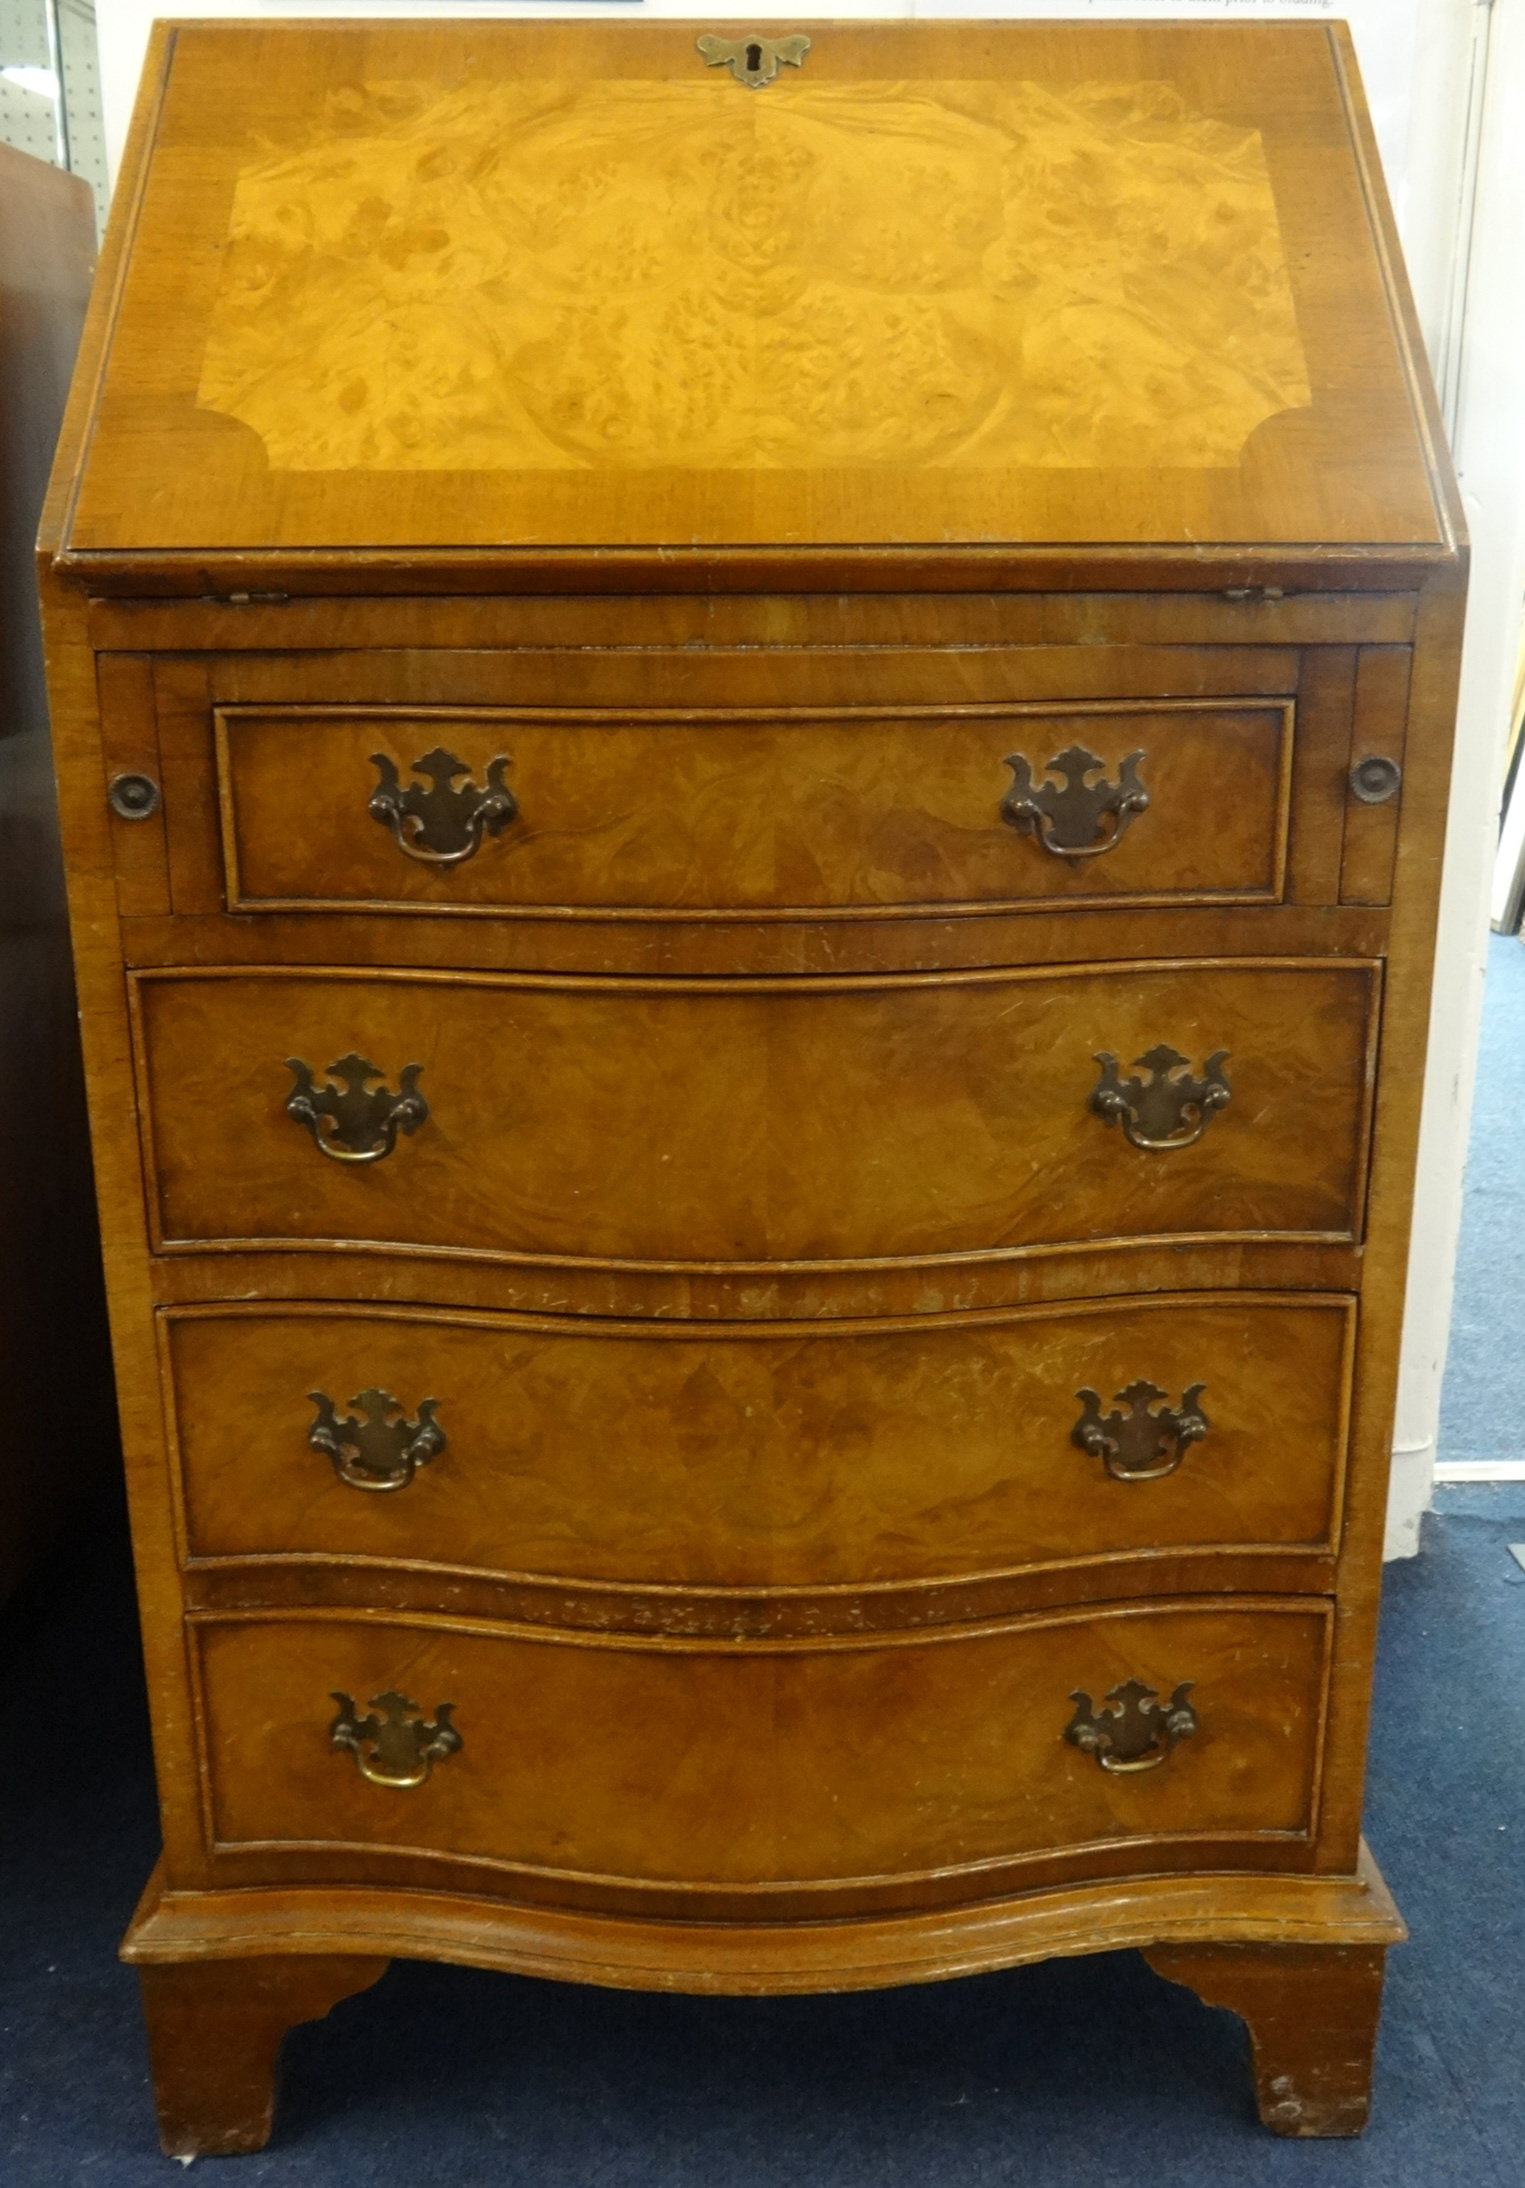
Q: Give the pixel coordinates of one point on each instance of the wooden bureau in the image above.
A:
(754, 741)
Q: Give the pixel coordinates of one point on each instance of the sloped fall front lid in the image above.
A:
(551, 285)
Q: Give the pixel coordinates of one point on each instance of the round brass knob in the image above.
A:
(133, 797)
(1376, 780)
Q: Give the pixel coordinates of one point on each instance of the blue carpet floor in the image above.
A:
(1482, 1409)
(1080, 2074)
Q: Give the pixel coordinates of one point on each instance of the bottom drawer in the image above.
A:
(767, 1769)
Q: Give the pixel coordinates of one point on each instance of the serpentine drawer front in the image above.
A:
(753, 737)
(1139, 800)
(833, 1768)
(730, 1122)
(761, 1456)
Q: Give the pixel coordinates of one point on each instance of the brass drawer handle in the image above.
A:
(442, 825)
(1137, 1445)
(1069, 818)
(1167, 1110)
(398, 1748)
(1133, 1729)
(371, 1449)
(364, 1120)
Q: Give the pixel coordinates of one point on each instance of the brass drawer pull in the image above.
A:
(365, 1120)
(442, 825)
(372, 1449)
(1167, 1110)
(398, 1748)
(1136, 1445)
(1069, 817)
(1133, 1729)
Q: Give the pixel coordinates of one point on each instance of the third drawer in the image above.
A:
(763, 1456)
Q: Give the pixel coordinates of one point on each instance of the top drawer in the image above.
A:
(651, 812)
(753, 784)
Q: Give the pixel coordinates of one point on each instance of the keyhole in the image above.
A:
(754, 60)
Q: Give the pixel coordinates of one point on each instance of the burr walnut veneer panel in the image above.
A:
(635, 809)
(649, 1122)
(762, 1456)
(802, 1768)
(529, 363)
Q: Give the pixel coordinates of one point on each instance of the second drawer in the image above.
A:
(762, 1455)
(655, 1124)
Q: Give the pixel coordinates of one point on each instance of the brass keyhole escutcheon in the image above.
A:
(753, 60)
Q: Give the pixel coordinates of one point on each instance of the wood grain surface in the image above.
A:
(722, 299)
(1378, 613)
(1134, 294)
(1248, 1907)
(765, 1767)
(764, 1456)
(748, 1123)
(762, 813)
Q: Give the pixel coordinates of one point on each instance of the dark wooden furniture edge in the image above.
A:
(214, 2036)
(1312, 2013)
(220, 576)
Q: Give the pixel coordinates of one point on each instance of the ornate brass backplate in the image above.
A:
(753, 60)
(378, 1448)
(1133, 1729)
(1137, 1444)
(362, 1121)
(1072, 818)
(444, 824)
(1170, 1108)
(399, 1747)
